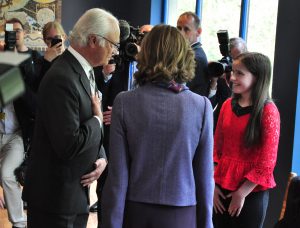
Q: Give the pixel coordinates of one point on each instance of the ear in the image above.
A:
(199, 31)
(92, 40)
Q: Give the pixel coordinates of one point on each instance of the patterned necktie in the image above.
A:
(92, 82)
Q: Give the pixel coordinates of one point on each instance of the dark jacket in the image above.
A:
(67, 141)
(200, 83)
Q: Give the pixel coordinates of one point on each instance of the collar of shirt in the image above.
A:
(196, 44)
(83, 62)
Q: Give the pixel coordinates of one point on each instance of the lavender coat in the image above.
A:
(161, 146)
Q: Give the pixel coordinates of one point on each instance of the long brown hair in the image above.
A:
(259, 66)
(165, 55)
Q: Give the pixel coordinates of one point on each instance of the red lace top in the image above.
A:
(235, 163)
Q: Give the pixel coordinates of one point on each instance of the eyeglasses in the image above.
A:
(116, 46)
(18, 30)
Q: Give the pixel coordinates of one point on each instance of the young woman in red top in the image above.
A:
(245, 149)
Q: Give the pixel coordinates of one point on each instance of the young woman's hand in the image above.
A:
(238, 198)
(236, 204)
(218, 205)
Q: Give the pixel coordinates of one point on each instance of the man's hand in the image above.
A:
(107, 116)
(2, 203)
(89, 178)
(214, 83)
(96, 107)
(109, 69)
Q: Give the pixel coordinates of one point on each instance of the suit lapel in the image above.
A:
(79, 70)
(85, 83)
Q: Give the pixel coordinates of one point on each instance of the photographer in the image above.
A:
(16, 125)
(219, 84)
(54, 37)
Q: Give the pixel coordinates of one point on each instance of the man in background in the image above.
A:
(189, 25)
(16, 128)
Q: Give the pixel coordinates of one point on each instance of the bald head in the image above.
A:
(237, 46)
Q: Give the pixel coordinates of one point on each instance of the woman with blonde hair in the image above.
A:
(54, 37)
(160, 172)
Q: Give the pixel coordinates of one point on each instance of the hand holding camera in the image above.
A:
(55, 49)
(224, 65)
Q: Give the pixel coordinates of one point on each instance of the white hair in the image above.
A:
(239, 43)
(94, 21)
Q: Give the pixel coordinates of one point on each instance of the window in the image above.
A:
(262, 27)
(225, 15)
(177, 7)
(216, 15)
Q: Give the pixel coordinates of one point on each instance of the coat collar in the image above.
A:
(79, 70)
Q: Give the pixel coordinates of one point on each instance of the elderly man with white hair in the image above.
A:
(67, 153)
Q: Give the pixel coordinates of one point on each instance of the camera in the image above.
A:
(55, 41)
(10, 38)
(129, 47)
(224, 65)
(135, 38)
(11, 79)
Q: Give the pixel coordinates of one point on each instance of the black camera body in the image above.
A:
(129, 47)
(224, 65)
(10, 38)
(55, 41)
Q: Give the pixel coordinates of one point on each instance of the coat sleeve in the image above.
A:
(115, 189)
(203, 170)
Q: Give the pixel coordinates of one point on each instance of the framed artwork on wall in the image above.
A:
(34, 14)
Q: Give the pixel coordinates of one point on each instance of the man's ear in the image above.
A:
(92, 40)
(199, 31)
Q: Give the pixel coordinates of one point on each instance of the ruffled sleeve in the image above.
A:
(262, 171)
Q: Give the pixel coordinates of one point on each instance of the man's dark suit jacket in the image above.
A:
(223, 93)
(118, 83)
(67, 141)
(200, 83)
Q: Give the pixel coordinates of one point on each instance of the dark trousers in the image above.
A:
(38, 219)
(252, 215)
(100, 186)
(144, 215)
